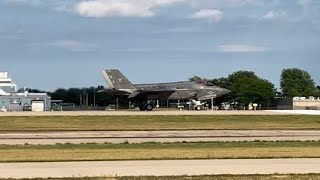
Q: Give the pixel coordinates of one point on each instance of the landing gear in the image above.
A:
(149, 107)
(145, 106)
(141, 107)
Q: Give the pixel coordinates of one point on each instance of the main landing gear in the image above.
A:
(146, 106)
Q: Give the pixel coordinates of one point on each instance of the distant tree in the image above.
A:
(221, 82)
(78, 96)
(30, 90)
(248, 88)
(198, 79)
(59, 94)
(317, 94)
(245, 88)
(297, 82)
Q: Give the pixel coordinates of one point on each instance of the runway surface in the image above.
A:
(297, 112)
(158, 112)
(159, 168)
(156, 136)
(138, 113)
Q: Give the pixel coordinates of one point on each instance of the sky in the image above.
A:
(50, 44)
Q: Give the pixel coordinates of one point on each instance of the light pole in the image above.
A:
(117, 103)
(94, 98)
(212, 103)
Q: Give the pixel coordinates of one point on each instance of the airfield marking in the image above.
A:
(159, 168)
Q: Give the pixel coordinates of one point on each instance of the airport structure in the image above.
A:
(299, 103)
(6, 84)
(303, 103)
(12, 100)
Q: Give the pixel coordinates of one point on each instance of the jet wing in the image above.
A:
(141, 94)
(151, 94)
(114, 92)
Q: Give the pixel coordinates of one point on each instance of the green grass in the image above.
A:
(213, 177)
(158, 151)
(92, 123)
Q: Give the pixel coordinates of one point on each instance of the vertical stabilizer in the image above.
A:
(116, 80)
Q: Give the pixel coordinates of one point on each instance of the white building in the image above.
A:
(12, 100)
(303, 103)
(6, 85)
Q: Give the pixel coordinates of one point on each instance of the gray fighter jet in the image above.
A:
(144, 94)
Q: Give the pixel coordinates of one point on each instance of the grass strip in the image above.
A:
(158, 151)
(95, 123)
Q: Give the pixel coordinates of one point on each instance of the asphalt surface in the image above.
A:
(156, 136)
(159, 168)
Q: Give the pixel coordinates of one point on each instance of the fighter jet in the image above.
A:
(144, 94)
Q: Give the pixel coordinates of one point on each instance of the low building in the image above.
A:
(25, 102)
(298, 103)
(11, 100)
(303, 103)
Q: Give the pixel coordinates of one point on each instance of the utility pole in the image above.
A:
(80, 99)
(94, 98)
(117, 103)
(87, 99)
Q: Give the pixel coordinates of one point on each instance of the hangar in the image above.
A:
(12, 100)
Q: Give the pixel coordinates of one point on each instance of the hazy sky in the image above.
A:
(48, 44)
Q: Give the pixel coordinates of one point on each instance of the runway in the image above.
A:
(159, 168)
(75, 137)
(159, 112)
(138, 113)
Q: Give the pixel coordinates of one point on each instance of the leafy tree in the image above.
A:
(198, 79)
(35, 90)
(317, 94)
(221, 82)
(248, 88)
(72, 95)
(297, 82)
(58, 94)
(245, 88)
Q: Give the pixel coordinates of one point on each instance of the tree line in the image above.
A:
(246, 87)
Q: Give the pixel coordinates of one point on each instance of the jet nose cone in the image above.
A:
(225, 91)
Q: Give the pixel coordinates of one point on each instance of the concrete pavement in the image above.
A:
(159, 168)
(159, 112)
(138, 113)
(156, 136)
